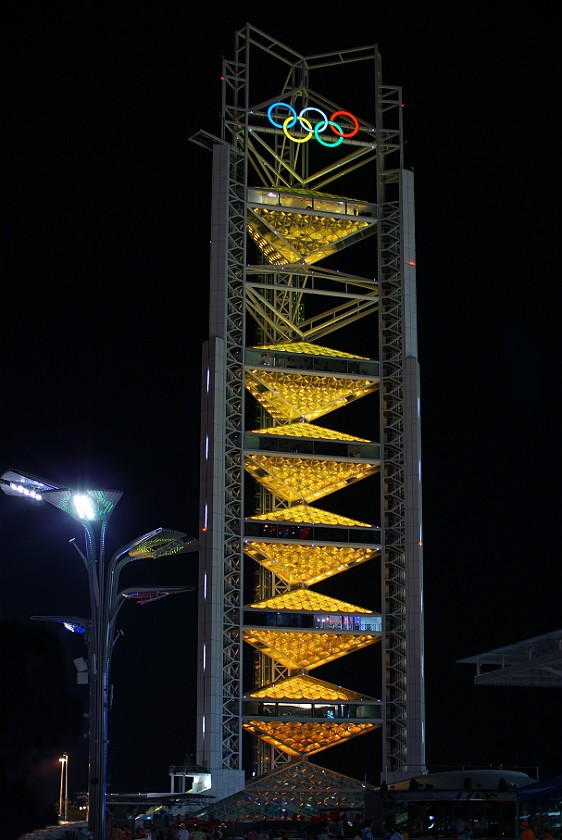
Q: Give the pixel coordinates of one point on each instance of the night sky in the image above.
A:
(106, 211)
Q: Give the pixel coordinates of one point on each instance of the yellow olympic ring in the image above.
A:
(304, 122)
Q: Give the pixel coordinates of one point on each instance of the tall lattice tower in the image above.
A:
(310, 606)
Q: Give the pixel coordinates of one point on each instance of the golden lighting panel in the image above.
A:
(304, 396)
(307, 564)
(308, 515)
(300, 649)
(288, 238)
(305, 687)
(307, 430)
(305, 479)
(306, 600)
(305, 738)
(309, 349)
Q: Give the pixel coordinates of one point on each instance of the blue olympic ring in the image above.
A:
(294, 118)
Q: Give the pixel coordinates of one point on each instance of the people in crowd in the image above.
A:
(367, 830)
(527, 833)
(183, 832)
(198, 833)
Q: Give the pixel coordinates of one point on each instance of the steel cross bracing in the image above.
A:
(392, 357)
(404, 752)
(279, 317)
(265, 304)
(235, 316)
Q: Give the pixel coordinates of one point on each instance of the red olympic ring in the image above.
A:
(354, 120)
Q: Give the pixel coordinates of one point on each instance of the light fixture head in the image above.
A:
(163, 543)
(22, 484)
(86, 505)
(147, 594)
(72, 623)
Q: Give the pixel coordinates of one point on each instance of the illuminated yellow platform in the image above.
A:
(305, 564)
(290, 396)
(299, 738)
(306, 649)
(296, 479)
(307, 430)
(305, 600)
(308, 348)
(297, 226)
(305, 687)
(289, 391)
(307, 514)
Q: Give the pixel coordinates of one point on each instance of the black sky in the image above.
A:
(105, 283)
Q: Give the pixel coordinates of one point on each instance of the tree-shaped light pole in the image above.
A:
(93, 508)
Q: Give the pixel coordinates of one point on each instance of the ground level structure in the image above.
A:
(464, 804)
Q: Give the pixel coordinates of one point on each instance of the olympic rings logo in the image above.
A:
(306, 124)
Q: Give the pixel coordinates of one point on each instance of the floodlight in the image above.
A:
(83, 505)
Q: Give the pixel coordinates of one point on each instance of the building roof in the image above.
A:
(486, 779)
(535, 662)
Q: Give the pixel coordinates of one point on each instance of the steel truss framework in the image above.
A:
(283, 353)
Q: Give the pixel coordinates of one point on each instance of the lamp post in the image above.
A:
(63, 786)
(93, 508)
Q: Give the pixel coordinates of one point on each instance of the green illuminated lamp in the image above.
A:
(88, 505)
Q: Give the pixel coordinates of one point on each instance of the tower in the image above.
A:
(311, 597)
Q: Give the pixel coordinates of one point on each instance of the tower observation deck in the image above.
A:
(310, 592)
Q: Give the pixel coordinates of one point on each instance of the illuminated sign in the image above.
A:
(305, 124)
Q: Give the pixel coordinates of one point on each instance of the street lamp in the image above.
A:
(93, 508)
(63, 786)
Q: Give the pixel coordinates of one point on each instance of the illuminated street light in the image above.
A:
(63, 786)
(93, 508)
